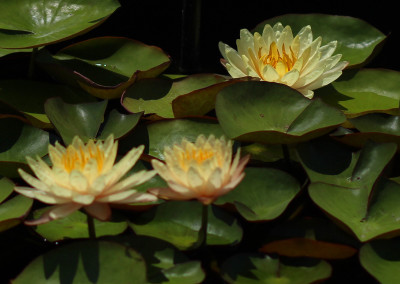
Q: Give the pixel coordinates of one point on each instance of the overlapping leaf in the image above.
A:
(14, 209)
(263, 194)
(356, 39)
(381, 259)
(260, 268)
(273, 113)
(18, 140)
(192, 95)
(347, 186)
(28, 23)
(108, 71)
(179, 222)
(364, 91)
(86, 262)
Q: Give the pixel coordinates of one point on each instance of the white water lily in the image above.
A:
(203, 170)
(84, 176)
(276, 56)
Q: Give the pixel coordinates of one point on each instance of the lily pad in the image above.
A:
(375, 127)
(179, 222)
(165, 263)
(310, 237)
(156, 135)
(119, 124)
(18, 140)
(259, 268)
(107, 71)
(75, 226)
(29, 97)
(28, 23)
(364, 91)
(69, 120)
(263, 194)
(351, 190)
(271, 113)
(381, 259)
(161, 96)
(13, 210)
(86, 262)
(356, 39)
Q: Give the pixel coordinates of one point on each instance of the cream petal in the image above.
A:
(98, 186)
(268, 36)
(234, 59)
(291, 77)
(44, 197)
(270, 74)
(124, 165)
(83, 199)
(215, 180)
(34, 182)
(100, 211)
(222, 47)
(307, 79)
(305, 37)
(328, 49)
(78, 182)
(131, 181)
(194, 179)
(161, 169)
(127, 196)
(41, 170)
(110, 157)
(246, 41)
(234, 72)
(285, 39)
(231, 185)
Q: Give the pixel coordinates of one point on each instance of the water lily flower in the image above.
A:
(84, 176)
(276, 56)
(203, 170)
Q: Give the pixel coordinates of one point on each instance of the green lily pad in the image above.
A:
(350, 189)
(75, 226)
(119, 124)
(86, 262)
(179, 222)
(83, 119)
(4, 52)
(13, 210)
(156, 135)
(29, 97)
(272, 113)
(375, 127)
(364, 91)
(108, 71)
(356, 39)
(18, 140)
(259, 268)
(160, 95)
(263, 194)
(165, 263)
(381, 259)
(28, 23)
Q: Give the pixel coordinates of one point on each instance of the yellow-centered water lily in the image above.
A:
(84, 176)
(203, 170)
(276, 56)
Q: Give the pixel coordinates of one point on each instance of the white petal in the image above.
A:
(290, 77)
(270, 74)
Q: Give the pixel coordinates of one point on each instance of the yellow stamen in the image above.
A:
(283, 63)
(78, 158)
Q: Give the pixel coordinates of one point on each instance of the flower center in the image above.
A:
(282, 63)
(198, 155)
(76, 159)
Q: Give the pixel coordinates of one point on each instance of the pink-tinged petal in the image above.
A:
(100, 211)
(55, 212)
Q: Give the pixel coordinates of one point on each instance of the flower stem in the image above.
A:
(204, 223)
(31, 70)
(91, 227)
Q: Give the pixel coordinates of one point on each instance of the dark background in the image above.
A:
(160, 23)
